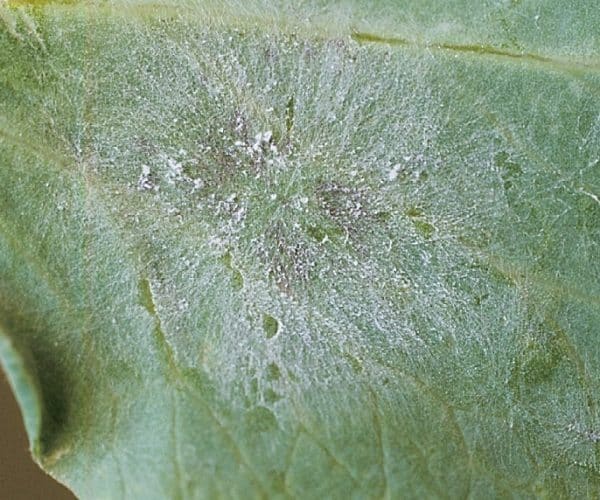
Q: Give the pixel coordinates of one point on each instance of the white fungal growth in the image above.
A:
(262, 139)
(393, 173)
(145, 182)
(344, 225)
(198, 184)
(175, 171)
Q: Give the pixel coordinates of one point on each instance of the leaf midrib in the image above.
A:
(230, 18)
(554, 63)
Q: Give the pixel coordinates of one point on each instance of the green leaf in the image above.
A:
(315, 250)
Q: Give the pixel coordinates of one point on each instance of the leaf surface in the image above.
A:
(326, 250)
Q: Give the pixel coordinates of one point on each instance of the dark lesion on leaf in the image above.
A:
(218, 168)
(289, 258)
(350, 212)
(346, 205)
(338, 214)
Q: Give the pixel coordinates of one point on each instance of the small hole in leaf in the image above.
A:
(271, 396)
(414, 212)
(355, 363)
(383, 216)
(237, 280)
(270, 325)
(261, 419)
(424, 228)
(316, 232)
(273, 372)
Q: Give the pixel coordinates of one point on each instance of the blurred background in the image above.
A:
(20, 477)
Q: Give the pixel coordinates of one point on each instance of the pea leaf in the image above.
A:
(315, 250)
